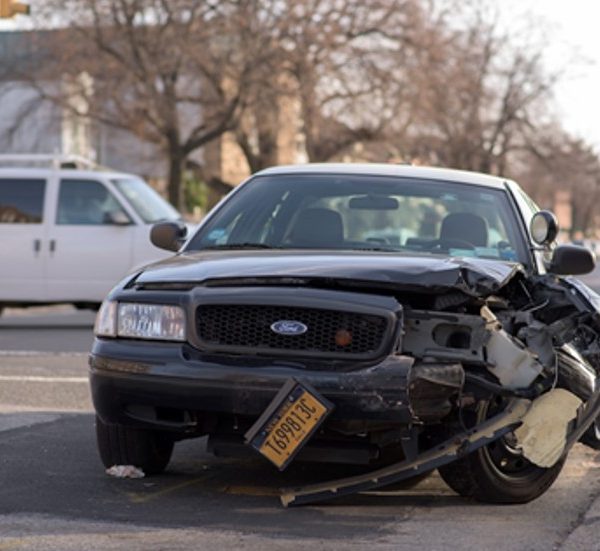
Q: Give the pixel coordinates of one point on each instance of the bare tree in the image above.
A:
(340, 61)
(174, 73)
(482, 95)
(437, 80)
(560, 163)
(348, 61)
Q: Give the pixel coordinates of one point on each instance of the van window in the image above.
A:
(85, 202)
(147, 203)
(21, 201)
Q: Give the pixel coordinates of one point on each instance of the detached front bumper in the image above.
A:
(167, 386)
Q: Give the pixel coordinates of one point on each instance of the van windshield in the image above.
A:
(147, 203)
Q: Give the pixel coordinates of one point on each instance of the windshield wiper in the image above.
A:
(225, 246)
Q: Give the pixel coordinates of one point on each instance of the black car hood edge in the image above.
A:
(473, 276)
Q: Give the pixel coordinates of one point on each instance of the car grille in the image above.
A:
(330, 333)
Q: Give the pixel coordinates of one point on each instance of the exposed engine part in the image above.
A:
(432, 388)
(543, 434)
(574, 373)
(530, 393)
(539, 339)
(509, 360)
(444, 336)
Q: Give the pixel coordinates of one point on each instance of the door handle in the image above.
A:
(52, 245)
(37, 245)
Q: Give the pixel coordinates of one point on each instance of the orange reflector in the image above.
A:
(343, 337)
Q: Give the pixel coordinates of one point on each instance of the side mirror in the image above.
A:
(168, 235)
(117, 218)
(572, 260)
(543, 227)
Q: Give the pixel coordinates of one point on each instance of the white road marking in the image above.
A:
(41, 353)
(37, 379)
(11, 421)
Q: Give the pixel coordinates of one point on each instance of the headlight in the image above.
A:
(106, 320)
(140, 321)
(150, 321)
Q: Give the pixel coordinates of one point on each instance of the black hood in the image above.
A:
(474, 276)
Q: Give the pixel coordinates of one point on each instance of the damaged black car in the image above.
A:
(404, 318)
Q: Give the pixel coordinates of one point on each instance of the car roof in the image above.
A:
(380, 169)
(29, 172)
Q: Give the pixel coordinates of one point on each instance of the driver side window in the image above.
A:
(86, 202)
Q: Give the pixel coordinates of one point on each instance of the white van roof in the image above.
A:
(23, 165)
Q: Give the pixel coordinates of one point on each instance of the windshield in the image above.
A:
(381, 213)
(147, 203)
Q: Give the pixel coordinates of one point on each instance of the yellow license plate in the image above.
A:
(288, 423)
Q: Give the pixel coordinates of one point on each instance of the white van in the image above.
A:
(68, 235)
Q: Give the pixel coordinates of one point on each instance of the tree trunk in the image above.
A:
(175, 185)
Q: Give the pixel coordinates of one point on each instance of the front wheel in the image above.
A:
(498, 472)
(591, 437)
(121, 445)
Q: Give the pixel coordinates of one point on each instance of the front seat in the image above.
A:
(319, 228)
(464, 226)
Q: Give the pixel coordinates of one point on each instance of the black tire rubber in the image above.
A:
(121, 445)
(591, 437)
(480, 475)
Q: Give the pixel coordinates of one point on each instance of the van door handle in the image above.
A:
(52, 245)
(37, 245)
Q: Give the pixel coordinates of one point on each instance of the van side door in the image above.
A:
(90, 242)
(22, 233)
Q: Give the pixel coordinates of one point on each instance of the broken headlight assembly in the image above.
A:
(133, 320)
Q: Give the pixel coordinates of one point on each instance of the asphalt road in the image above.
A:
(54, 493)
(48, 329)
(57, 497)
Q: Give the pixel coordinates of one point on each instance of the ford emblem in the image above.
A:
(289, 327)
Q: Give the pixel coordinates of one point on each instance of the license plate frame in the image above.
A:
(288, 423)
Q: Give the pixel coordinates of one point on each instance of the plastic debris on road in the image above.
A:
(125, 471)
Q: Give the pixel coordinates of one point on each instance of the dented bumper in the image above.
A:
(127, 379)
(133, 382)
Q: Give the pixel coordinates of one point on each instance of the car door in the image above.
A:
(90, 242)
(22, 256)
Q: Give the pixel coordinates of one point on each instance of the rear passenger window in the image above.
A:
(21, 201)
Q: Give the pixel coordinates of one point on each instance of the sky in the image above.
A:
(573, 44)
(573, 34)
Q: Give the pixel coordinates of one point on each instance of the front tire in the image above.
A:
(498, 472)
(591, 437)
(121, 445)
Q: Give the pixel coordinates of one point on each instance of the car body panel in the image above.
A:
(436, 273)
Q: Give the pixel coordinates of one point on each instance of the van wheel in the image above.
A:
(121, 445)
(498, 472)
